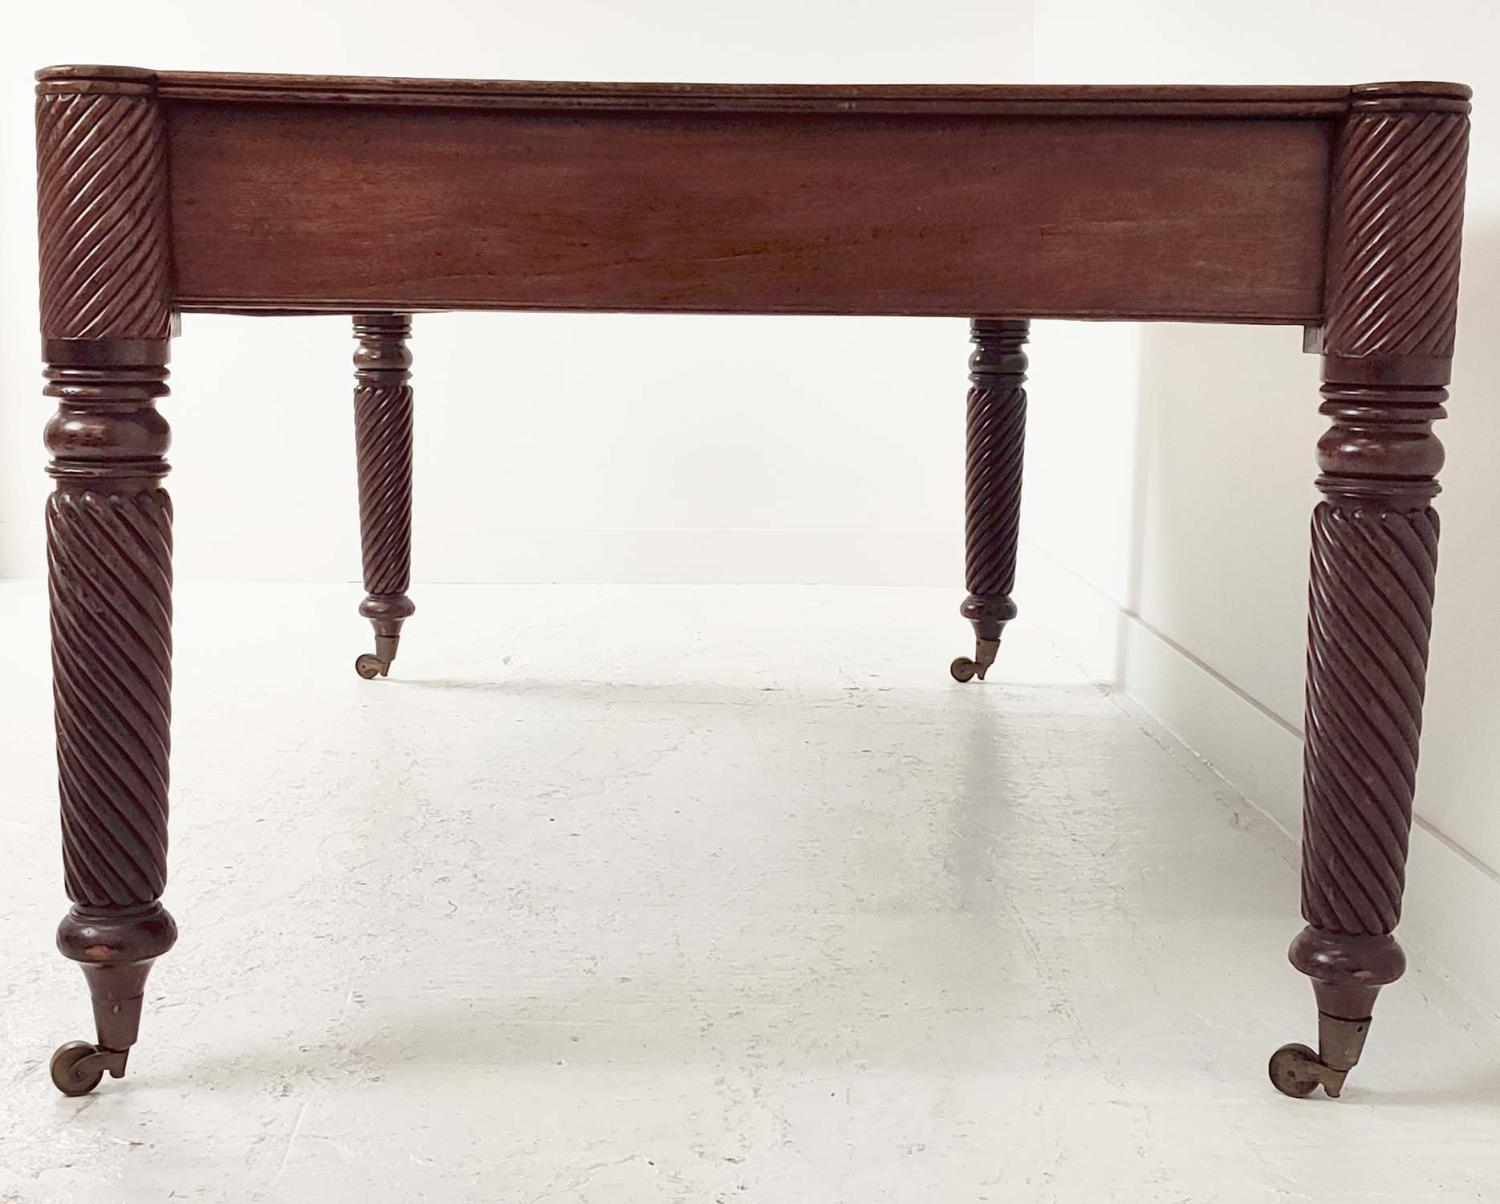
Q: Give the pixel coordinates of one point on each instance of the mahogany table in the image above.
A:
(1335, 209)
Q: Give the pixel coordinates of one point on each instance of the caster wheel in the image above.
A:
(964, 669)
(1296, 1071)
(370, 667)
(69, 1074)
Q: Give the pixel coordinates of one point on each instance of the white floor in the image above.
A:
(694, 894)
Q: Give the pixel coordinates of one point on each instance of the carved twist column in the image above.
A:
(106, 318)
(995, 438)
(1388, 347)
(383, 439)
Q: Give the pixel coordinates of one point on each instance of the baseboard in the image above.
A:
(1260, 756)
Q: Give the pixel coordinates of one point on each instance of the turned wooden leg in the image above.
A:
(106, 319)
(996, 432)
(109, 560)
(383, 439)
(1388, 343)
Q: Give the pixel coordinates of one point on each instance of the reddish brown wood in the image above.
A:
(106, 313)
(1388, 346)
(101, 209)
(1131, 100)
(995, 438)
(800, 213)
(383, 441)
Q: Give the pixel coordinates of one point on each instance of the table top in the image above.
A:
(297, 193)
(1232, 102)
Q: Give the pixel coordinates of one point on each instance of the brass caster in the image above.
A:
(370, 666)
(78, 1067)
(1297, 1071)
(378, 663)
(964, 669)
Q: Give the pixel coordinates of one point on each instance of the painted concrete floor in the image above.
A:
(694, 894)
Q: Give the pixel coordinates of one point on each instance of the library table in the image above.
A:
(1336, 209)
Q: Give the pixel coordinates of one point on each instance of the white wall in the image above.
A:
(1222, 424)
(550, 447)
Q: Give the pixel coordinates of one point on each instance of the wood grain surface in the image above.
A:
(402, 209)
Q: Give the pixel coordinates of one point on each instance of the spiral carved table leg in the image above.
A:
(106, 321)
(1374, 563)
(995, 436)
(383, 439)
(1388, 342)
(109, 554)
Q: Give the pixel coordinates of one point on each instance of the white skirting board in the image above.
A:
(1261, 757)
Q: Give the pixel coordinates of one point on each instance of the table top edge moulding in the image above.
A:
(1209, 100)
